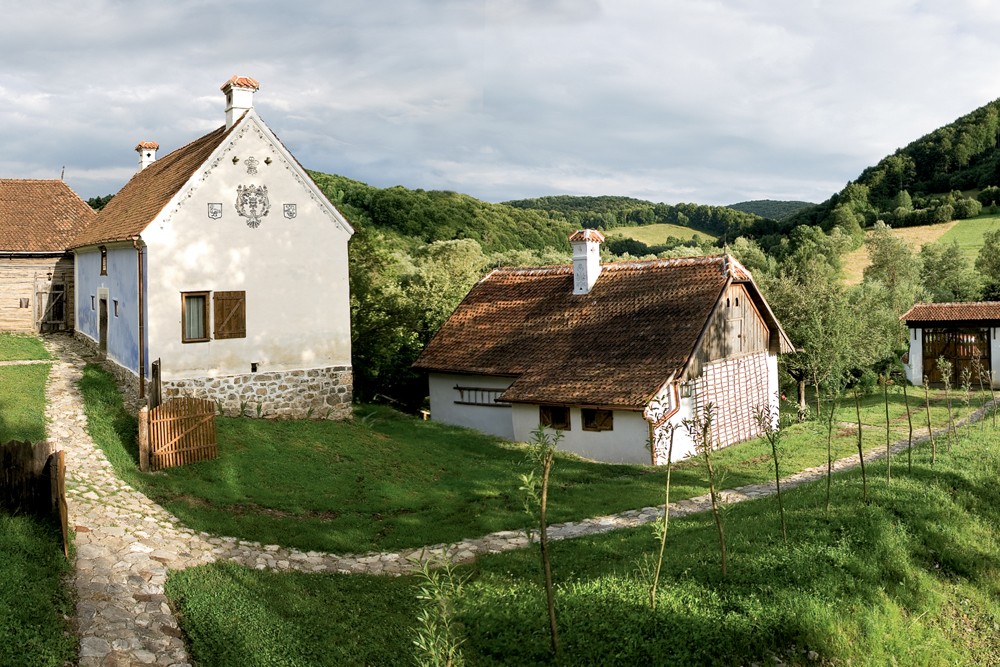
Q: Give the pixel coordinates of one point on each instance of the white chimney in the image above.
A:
(147, 153)
(239, 92)
(586, 259)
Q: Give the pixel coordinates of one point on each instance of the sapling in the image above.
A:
(437, 637)
(861, 451)
(536, 490)
(771, 428)
(888, 459)
(660, 526)
(834, 404)
(966, 393)
(700, 428)
(930, 431)
(909, 423)
(945, 367)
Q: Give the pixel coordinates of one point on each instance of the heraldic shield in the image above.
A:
(252, 203)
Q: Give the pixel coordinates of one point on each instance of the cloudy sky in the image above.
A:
(707, 101)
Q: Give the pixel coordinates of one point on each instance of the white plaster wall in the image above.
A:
(683, 442)
(294, 271)
(915, 369)
(625, 444)
(495, 420)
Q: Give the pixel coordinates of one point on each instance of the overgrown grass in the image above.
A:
(910, 579)
(16, 347)
(22, 402)
(657, 234)
(35, 603)
(389, 481)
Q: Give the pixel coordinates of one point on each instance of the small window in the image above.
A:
(598, 420)
(93, 306)
(116, 307)
(104, 261)
(24, 302)
(554, 416)
(230, 314)
(194, 317)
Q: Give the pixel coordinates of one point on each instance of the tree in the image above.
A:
(946, 274)
(894, 266)
(988, 262)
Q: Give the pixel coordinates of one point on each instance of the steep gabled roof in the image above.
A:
(144, 196)
(615, 347)
(973, 311)
(40, 215)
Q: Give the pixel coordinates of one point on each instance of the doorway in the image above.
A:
(102, 327)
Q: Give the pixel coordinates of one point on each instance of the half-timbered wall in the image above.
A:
(36, 293)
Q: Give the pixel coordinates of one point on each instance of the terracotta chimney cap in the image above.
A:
(147, 145)
(587, 235)
(237, 81)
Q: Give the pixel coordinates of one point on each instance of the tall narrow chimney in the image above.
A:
(147, 153)
(239, 92)
(586, 259)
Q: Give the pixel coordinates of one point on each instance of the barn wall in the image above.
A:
(21, 278)
(736, 329)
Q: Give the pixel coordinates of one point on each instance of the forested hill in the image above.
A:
(922, 182)
(434, 215)
(769, 208)
(610, 212)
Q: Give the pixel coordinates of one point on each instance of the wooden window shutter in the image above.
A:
(230, 314)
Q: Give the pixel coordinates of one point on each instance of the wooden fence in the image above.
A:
(33, 481)
(176, 433)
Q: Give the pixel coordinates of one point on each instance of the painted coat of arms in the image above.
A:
(291, 210)
(215, 210)
(252, 203)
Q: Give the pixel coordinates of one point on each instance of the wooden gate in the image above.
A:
(179, 432)
(964, 348)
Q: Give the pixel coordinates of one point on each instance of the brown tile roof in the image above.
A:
(615, 346)
(241, 82)
(952, 312)
(40, 216)
(149, 190)
(587, 235)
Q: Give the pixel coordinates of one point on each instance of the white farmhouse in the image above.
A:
(609, 355)
(225, 263)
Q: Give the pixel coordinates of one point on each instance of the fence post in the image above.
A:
(144, 438)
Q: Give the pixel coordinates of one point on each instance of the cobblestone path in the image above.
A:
(126, 543)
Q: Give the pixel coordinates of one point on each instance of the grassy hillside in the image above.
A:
(657, 234)
(969, 234)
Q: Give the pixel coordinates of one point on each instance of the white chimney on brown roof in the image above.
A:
(147, 153)
(586, 259)
(239, 92)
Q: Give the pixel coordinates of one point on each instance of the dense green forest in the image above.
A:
(772, 209)
(930, 180)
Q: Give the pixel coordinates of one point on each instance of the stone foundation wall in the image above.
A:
(319, 393)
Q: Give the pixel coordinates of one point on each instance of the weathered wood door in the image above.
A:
(102, 326)
(50, 301)
(968, 350)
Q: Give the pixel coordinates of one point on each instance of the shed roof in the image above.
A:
(615, 347)
(972, 311)
(40, 215)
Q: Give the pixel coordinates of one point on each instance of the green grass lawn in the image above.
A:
(969, 233)
(22, 402)
(911, 578)
(658, 233)
(15, 347)
(388, 481)
(35, 602)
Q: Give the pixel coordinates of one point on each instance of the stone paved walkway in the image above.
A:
(126, 543)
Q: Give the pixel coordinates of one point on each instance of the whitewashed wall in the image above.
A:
(494, 420)
(625, 444)
(294, 270)
(915, 368)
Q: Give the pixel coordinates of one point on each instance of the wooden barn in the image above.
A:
(963, 333)
(609, 355)
(38, 219)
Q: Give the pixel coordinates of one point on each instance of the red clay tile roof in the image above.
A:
(143, 145)
(952, 312)
(144, 196)
(614, 347)
(40, 216)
